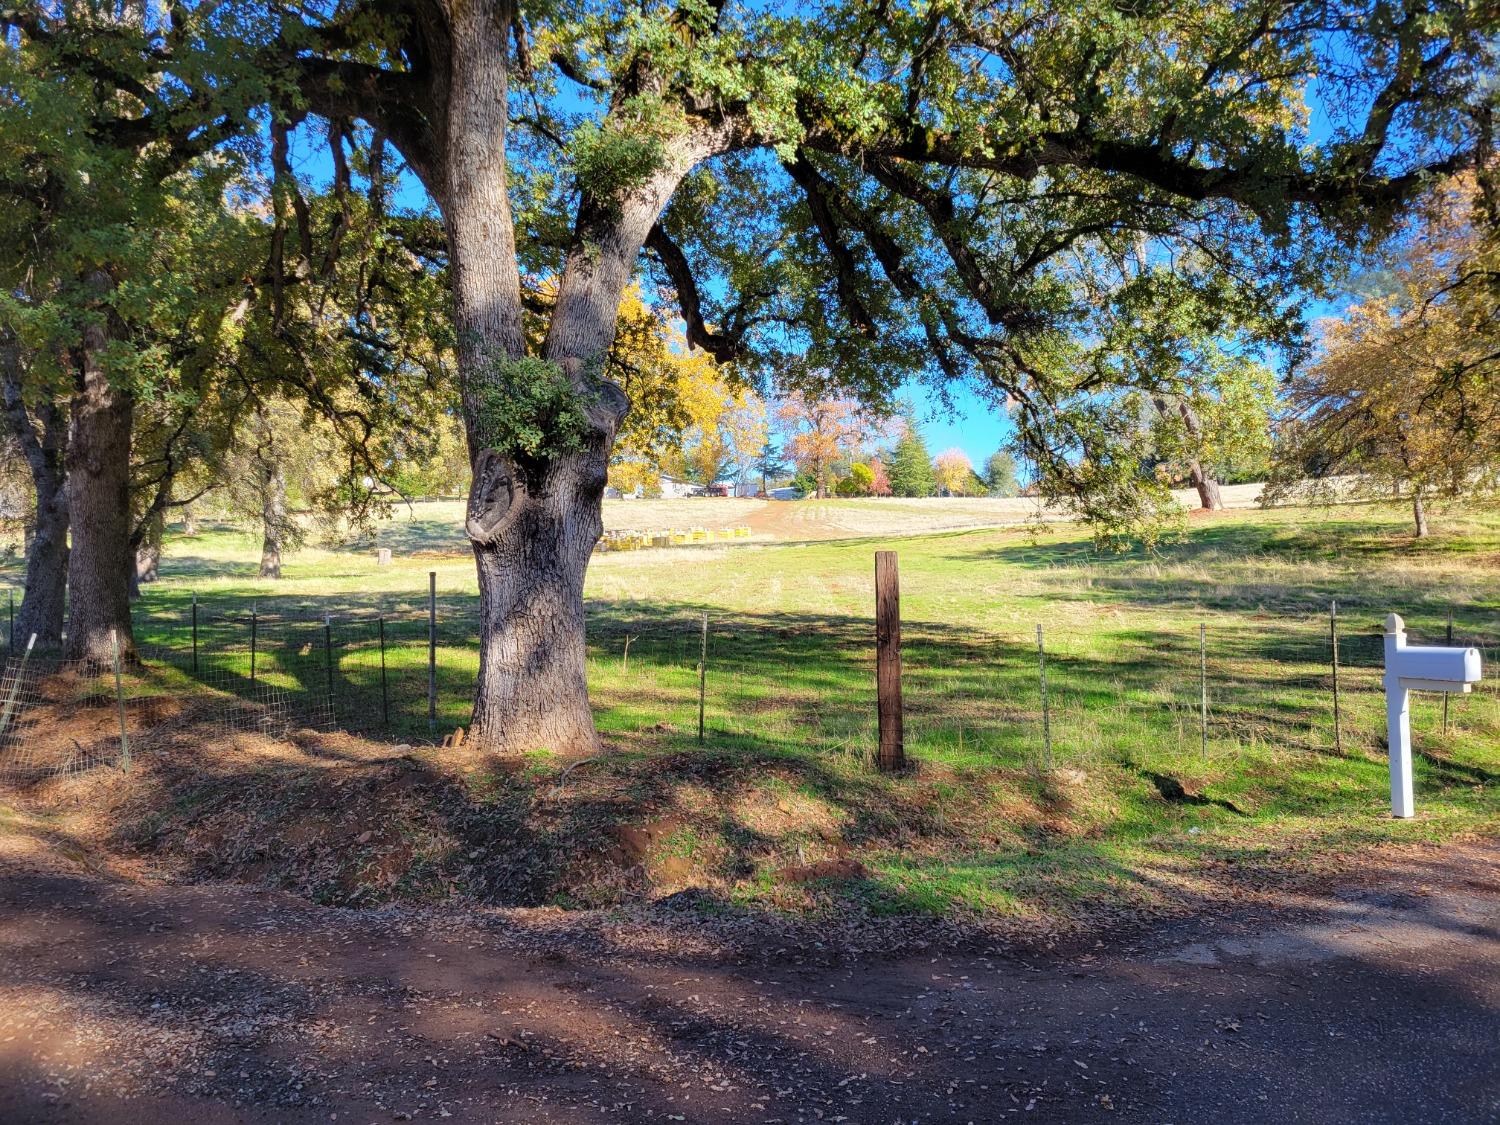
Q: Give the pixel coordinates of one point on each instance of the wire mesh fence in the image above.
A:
(1204, 691)
(62, 717)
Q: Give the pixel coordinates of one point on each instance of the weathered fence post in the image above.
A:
(195, 633)
(892, 750)
(432, 650)
(1333, 641)
(1203, 689)
(1041, 667)
(702, 675)
(625, 659)
(254, 629)
(385, 698)
(114, 637)
(12, 645)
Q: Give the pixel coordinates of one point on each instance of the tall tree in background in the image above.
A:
(1000, 477)
(769, 463)
(1405, 395)
(954, 473)
(38, 426)
(911, 465)
(107, 120)
(1222, 417)
(693, 416)
(820, 432)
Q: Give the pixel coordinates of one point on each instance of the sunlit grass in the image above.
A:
(1137, 795)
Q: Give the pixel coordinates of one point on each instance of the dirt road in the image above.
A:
(1377, 999)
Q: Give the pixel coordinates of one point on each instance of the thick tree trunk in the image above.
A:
(1419, 513)
(532, 541)
(98, 460)
(148, 552)
(533, 522)
(1206, 486)
(43, 442)
(273, 520)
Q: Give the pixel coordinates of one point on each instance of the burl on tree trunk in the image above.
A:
(533, 529)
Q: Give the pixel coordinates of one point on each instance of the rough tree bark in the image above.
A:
(272, 519)
(98, 464)
(533, 522)
(41, 433)
(148, 551)
(534, 526)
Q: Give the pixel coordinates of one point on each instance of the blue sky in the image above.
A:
(975, 426)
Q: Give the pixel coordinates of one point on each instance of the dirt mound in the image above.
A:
(344, 820)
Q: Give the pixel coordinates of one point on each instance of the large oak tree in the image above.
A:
(884, 190)
(1006, 194)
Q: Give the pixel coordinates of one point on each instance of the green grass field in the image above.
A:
(1135, 805)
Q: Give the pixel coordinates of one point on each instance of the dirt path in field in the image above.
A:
(811, 520)
(1375, 1000)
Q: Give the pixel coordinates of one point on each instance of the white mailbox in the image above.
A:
(1411, 668)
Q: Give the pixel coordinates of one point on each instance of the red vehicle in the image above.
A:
(716, 490)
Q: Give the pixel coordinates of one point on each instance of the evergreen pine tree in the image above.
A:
(911, 464)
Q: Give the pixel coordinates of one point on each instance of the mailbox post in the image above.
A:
(1411, 668)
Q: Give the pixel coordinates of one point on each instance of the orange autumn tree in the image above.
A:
(820, 432)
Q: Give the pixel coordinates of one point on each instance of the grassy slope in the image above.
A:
(1135, 809)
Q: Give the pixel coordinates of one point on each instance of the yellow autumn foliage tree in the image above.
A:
(1405, 397)
(690, 418)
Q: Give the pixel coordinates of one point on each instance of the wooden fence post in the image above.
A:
(892, 754)
(1203, 689)
(1041, 668)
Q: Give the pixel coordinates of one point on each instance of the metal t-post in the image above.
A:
(114, 637)
(432, 650)
(385, 698)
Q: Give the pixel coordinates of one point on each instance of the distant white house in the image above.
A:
(787, 493)
(673, 489)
